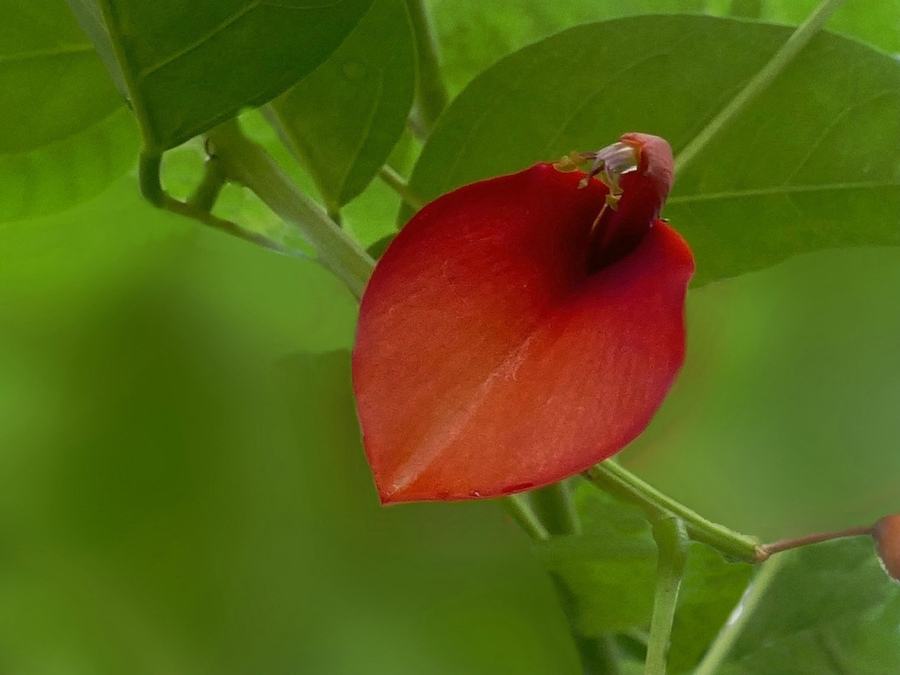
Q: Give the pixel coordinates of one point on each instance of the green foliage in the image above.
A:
(179, 495)
(828, 609)
(710, 592)
(66, 140)
(609, 570)
(182, 487)
(475, 34)
(876, 22)
(186, 67)
(344, 119)
(743, 204)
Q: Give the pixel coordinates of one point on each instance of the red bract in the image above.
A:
(510, 338)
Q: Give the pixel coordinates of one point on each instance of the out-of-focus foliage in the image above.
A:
(783, 421)
(182, 487)
(179, 495)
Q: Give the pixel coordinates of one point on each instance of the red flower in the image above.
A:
(521, 329)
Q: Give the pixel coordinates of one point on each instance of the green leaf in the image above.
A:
(506, 27)
(823, 610)
(344, 118)
(187, 67)
(710, 591)
(67, 135)
(874, 21)
(763, 190)
(503, 28)
(369, 217)
(609, 571)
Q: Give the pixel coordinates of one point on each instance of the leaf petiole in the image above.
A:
(619, 482)
(431, 92)
(672, 543)
(247, 163)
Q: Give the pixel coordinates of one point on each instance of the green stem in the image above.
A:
(519, 510)
(190, 211)
(249, 164)
(431, 92)
(759, 82)
(555, 508)
(621, 483)
(207, 192)
(726, 639)
(672, 545)
(599, 656)
(148, 177)
(397, 183)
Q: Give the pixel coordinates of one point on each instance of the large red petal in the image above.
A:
(488, 361)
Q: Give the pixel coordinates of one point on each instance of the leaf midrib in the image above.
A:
(782, 190)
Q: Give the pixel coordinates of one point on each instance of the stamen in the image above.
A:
(610, 163)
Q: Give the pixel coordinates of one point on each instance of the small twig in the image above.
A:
(247, 163)
(431, 92)
(767, 550)
(397, 183)
(148, 177)
(555, 507)
(518, 508)
(207, 192)
(621, 483)
(227, 226)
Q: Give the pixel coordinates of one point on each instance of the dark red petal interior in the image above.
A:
(488, 361)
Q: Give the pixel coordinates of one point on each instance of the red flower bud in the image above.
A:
(886, 534)
(521, 329)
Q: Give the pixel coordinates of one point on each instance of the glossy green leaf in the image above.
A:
(824, 610)
(344, 118)
(474, 34)
(763, 190)
(187, 67)
(68, 138)
(502, 28)
(710, 591)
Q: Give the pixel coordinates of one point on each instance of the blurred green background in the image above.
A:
(182, 488)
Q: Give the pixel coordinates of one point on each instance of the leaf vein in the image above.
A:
(782, 190)
(225, 23)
